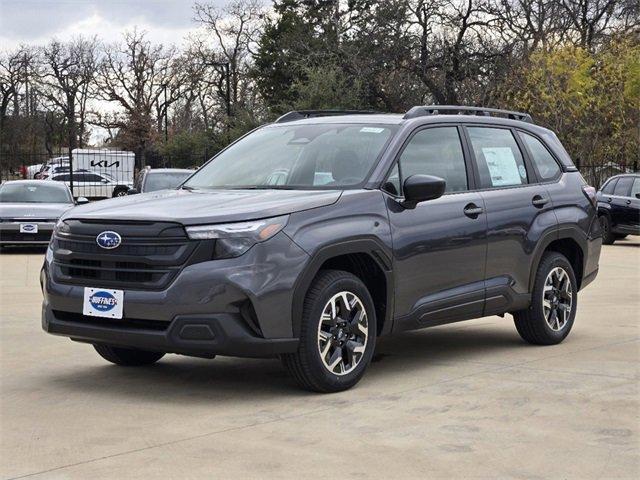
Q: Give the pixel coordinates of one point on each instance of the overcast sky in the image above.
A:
(37, 21)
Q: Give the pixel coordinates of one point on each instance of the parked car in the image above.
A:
(439, 215)
(29, 209)
(619, 207)
(49, 170)
(92, 185)
(29, 172)
(154, 179)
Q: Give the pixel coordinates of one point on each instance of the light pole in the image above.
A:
(166, 113)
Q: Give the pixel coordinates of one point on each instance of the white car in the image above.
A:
(93, 185)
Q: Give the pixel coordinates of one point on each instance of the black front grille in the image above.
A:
(9, 236)
(149, 257)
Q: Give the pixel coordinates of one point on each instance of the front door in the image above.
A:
(439, 245)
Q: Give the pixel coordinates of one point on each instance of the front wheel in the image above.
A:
(127, 357)
(337, 334)
(120, 192)
(553, 303)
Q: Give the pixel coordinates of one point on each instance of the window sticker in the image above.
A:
(371, 130)
(502, 165)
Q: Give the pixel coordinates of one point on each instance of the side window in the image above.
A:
(608, 188)
(438, 152)
(546, 165)
(499, 159)
(61, 178)
(635, 189)
(623, 187)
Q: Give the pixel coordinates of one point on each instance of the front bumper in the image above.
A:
(237, 307)
(194, 335)
(10, 233)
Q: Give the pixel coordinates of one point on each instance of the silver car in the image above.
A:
(29, 209)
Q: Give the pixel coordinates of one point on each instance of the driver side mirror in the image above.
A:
(638, 195)
(420, 188)
(81, 200)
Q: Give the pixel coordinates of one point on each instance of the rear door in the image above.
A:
(518, 210)
(624, 205)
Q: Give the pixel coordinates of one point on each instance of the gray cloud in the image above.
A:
(26, 20)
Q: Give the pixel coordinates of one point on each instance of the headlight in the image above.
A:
(234, 239)
(61, 227)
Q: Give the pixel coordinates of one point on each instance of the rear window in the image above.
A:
(544, 162)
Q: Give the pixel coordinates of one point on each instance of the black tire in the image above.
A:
(306, 365)
(608, 236)
(127, 357)
(620, 236)
(531, 323)
(120, 192)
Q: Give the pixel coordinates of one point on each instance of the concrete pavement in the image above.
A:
(458, 401)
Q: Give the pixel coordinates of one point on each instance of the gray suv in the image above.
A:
(311, 237)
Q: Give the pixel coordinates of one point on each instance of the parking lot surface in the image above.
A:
(463, 400)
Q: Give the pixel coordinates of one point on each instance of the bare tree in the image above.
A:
(136, 75)
(235, 29)
(593, 20)
(65, 75)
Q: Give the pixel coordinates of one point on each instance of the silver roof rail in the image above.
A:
(421, 111)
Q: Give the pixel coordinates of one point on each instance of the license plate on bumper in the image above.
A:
(102, 302)
(29, 228)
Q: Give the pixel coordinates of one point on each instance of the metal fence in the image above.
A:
(91, 173)
(104, 173)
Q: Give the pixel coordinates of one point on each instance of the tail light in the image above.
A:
(590, 193)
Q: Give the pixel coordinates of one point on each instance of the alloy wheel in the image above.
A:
(342, 333)
(557, 299)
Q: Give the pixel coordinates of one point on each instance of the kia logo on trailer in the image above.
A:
(108, 240)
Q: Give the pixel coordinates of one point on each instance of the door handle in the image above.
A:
(472, 210)
(628, 202)
(609, 199)
(539, 201)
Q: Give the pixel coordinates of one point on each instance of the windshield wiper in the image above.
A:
(268, 187)
(188, 188)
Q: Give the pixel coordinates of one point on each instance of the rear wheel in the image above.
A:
(120, 192)
(607, 235)
(553, 303)
(127, 357)
(337, 334)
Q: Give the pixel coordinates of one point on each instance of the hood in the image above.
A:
(33, 210)
(200, 207)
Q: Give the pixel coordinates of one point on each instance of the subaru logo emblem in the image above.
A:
(108, 240)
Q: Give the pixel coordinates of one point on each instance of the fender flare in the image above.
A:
(563, 233)
(368, 245)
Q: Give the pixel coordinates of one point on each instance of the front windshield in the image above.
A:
(301, 156)
(32, 193)
(163, 180)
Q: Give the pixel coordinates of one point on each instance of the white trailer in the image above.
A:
(117, 164)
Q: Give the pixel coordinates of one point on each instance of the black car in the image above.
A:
(619, 207)
(152, 180)
(311, 237)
